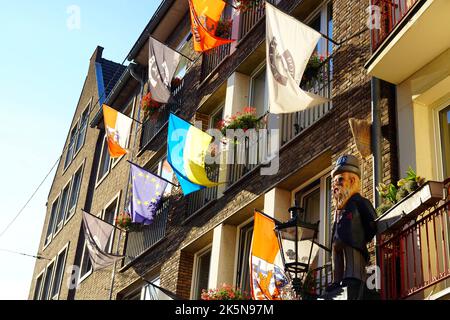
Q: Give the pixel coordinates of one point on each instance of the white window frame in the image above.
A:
(321, 9)
(66, 249)
(81, 278)
(132, 104)
(256, 73)
(194, 282)
(69, 214)
(238, 249)
(39, 294)
(116, 212)
(323, 229)
(53, 261)
(50, 237)
(438, 161)
(104, 149)
(69, 185)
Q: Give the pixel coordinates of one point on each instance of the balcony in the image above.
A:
(417, 29)
(415, 257)
(250, 18)
(145, 237)
(151, 127)
(200, 199)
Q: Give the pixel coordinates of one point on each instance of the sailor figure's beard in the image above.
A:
(341, 194)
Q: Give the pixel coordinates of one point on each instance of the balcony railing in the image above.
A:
(417, 257)
(391, 13)
(250, 18)
(146, 236)
(152, 126)
(213, 57)
(321, 84)
(197, 200)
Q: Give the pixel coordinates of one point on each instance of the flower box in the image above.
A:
(411, 206)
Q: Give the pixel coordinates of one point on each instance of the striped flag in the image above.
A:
(118, 128)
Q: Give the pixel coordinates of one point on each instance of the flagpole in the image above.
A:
(101, 219)
(154, 174)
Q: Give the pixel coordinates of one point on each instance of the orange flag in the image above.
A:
(205, 15)
(267, 273)
(118, 128)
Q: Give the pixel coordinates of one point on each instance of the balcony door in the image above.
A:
(444, 132)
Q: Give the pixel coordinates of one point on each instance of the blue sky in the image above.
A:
(44, 64)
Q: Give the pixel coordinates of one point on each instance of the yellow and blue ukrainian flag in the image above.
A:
(186, 150)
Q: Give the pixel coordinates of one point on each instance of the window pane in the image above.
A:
(444, 117)
(62, 208)
(311, 204)
(52, 221)
(259, 91)
(86, 264)
(47, 282)
(150, 292)
(82, 130)
(59, 272)
(69, 153)
(75, 191)
(202, 274)
(167, 173)
(244, 258)
(37, 288)
(110, 215)
(104, 161)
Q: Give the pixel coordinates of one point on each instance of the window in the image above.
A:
(74, 193)
(185, 48)
(315, 199)
(48, 282)
(259, 92)
(109, 215)
(163, 169)
(82, 130)
(444, 121)
(62, 208)
(38, 287)
(148, 292)
(243, 273)
(202, 264)
(51, 222)
(59, 273)
(70, 152)
(85, 265)
(322, 22)
(105, 161)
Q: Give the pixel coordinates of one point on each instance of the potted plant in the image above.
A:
(225, 292)
(124, 221)
(241, 120)
(150, 107)
(246, 5)
(223, 29)
(312, 71)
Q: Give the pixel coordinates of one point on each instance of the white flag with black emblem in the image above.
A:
(290, 44)
(163, 62)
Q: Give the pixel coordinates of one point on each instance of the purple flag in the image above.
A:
(147, 192)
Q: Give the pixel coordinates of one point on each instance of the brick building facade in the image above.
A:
(202, 240)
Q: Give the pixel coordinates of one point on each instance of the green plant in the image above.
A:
(223, 29)
(241, 120)
(385, 206)
(388, 192)
(225, 292)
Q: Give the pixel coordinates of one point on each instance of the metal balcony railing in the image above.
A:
(417, 257)
(145, 237)
(320, 83)
(197, 200)
(151, 126)
(390, 12)
(251, 17)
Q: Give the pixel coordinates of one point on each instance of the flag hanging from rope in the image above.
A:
(98, 234)
(205, 16)
(147, 192)
(163, 62)
(267, 276)
(186, 150)
(289, 45)
(118, 128)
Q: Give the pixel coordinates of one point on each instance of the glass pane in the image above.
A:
(86, 264)
(75, 191)
(104, 161)
(259, 91)
(444, 117)
(167, 173)
(315, 24)
(311, 204)
(59, 272)
(110, 214)
(47, 282)
(52, 220)
(62, 209)
(244, 269)
(328, 226)
(330, 27)
(69, 153)
(202, 273)
(37, 289)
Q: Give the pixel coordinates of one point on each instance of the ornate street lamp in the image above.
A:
(296, 238)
